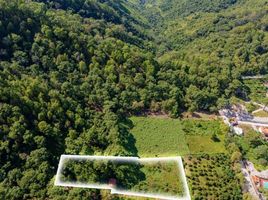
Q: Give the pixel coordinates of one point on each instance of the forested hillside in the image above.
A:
(71, 72)
(225, 38)
(66, 82)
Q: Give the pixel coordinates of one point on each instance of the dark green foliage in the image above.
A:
(126, 174)
(72, 71)
(154, 177)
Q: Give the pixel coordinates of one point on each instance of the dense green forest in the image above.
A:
(72, 71)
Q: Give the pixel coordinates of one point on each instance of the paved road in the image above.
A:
(249, 183)
(253, 123)
(254, 77)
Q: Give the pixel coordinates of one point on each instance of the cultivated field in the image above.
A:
(212, 177)
(173, 137)
(157, 137)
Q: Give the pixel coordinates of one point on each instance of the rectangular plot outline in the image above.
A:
(58, 182)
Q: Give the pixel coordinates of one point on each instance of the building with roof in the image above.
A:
(264, 131)
(238, 130)
(260, 179)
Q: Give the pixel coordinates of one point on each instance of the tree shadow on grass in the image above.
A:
(129, 141)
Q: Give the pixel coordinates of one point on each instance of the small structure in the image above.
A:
(261, 179)
(112, 182)
(233, 121)
(238, 131)
(264, 131)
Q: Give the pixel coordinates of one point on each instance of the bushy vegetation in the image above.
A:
(126, 174)
(253, 147)
(60, 76)
(213, 47)
(162, 178)
(213, 177)
(153, 177)
(257, 90)
(203, 127)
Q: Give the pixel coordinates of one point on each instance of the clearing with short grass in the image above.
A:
(173, 137)
(157, 137)
(204, 144)
(199, 136)
(261, 113)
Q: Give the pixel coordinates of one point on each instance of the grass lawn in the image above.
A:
(158, 137)
(204, 144)
(199, 134)
(173, 137)
(261, 113)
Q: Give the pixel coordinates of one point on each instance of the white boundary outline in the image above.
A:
(58, 182)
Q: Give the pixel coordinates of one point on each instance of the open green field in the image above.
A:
(261, 113)
(204, 144)
(174, 137)
(156, 137)
(199, 136)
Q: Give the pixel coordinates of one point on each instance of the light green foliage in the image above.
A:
(166, 137)
(261, 113)
(205, 136)
(204, 144)
(158, 137)
(254, 148)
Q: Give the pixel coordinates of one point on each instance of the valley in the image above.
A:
(134, 78)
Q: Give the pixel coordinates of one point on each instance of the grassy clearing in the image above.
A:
(246, 128)
(159, 137)
(261, 113)
(204, 144)
(199, 136)
(170, 137)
